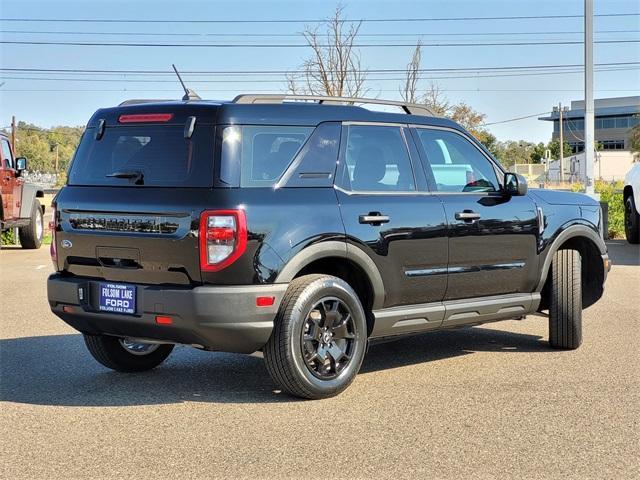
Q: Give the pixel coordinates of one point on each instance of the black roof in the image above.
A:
(292, 113)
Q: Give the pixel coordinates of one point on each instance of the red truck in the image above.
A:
(19, 207)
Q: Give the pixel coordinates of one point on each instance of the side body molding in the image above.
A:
(338, 249)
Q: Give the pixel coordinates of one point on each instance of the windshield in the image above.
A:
(145, 155)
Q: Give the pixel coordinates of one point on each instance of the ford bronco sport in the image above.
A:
(19, 205)
(305, 229)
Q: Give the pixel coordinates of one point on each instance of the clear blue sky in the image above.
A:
(55, 99)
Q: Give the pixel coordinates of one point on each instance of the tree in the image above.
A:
(334, 67)
(634, 140)
(39, 145)
(409, 91)
(435, 99)
(554, 146)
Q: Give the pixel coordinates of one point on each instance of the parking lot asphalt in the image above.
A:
(486, 402)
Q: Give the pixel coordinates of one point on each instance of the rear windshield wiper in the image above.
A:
(137, 174)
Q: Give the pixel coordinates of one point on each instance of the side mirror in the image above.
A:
(21, 164)
(514, 184)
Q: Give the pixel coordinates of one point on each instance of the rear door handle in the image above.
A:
(374, 218)
(467, 216)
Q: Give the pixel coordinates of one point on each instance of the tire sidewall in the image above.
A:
(326, 287)
(37, 217)
(631, 220)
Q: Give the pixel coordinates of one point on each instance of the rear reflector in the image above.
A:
(145, 117)
(265, 301)
(67, 309)
(163, 320)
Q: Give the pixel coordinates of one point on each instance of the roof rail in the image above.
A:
(136, 101)
(409, 108)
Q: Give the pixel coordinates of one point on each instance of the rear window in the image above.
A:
(160, 153)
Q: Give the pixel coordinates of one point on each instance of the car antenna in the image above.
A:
(188, 93)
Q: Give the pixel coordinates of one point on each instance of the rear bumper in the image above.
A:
(222, 318)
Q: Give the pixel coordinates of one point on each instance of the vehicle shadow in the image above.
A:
(623, 253)
(57, 370)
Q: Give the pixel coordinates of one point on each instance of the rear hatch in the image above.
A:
(136, 187)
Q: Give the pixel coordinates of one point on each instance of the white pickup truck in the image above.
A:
(631, 194)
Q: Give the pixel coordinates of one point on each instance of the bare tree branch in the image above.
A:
(334, 67)
(412, 76)
(435, 99)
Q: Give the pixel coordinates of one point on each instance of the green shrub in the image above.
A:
(7, 238)
(611, 194)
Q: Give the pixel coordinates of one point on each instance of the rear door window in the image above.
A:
(377, 160)
(161, 154)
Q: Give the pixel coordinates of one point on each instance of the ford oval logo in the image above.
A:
(66, 243)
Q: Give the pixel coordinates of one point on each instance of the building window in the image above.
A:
(622, 122)
(608, 123)
(612, 144)
(576, 147)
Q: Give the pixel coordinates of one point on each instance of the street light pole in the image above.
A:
(561, 143)
(589, 141)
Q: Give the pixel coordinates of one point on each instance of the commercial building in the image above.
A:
(614, 119)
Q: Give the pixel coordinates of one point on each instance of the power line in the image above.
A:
(508, 68)
(302, 45)
(290, 20)
(514, 119)
(297, 35)
(147, 80)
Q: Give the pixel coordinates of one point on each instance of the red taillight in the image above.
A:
(145, 117)
(53, 226)
(223, 238)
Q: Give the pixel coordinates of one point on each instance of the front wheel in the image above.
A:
(565, 310)
(125, 355)
(631, 221)
(319, 338)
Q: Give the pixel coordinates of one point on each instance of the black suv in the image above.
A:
(305, 229)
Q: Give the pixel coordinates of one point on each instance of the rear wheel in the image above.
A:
(631, 221)
(31, 235)
(124, 355)
(565, 311)
(319, 338)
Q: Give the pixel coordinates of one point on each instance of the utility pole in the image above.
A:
(13, 134)
(57, 157)
(589, 146)
(561, 113)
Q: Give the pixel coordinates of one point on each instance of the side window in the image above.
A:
(264, 152)
(315, 165)
(456, 164)
(376, 159)
(6, 154)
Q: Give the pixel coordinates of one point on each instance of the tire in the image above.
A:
(31, 235)
(303, 337)
(111, 353)
(565, 310)
(631, 221)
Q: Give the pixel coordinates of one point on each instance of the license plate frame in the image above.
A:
(117, 298)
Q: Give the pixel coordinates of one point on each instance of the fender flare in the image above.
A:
(327, 249)
(571, 232)
(29, 194)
